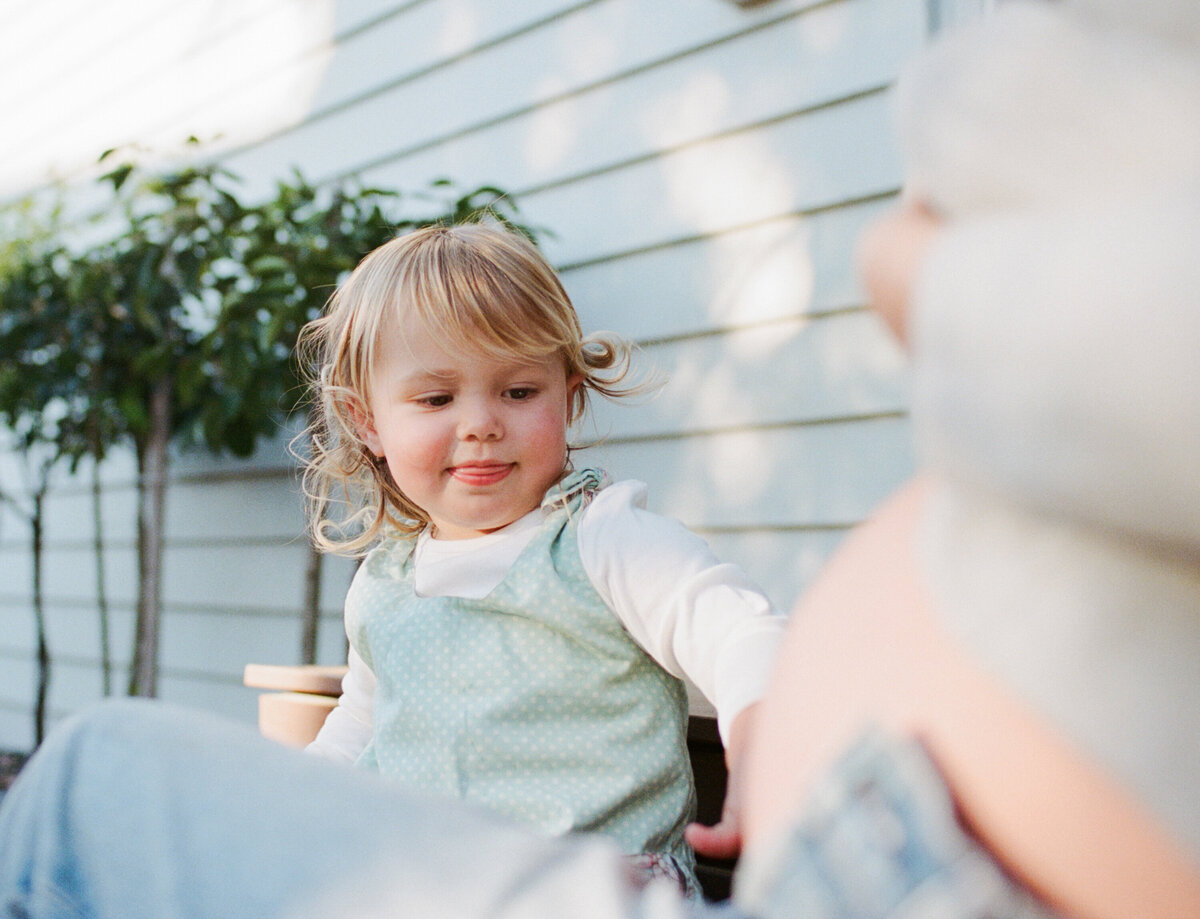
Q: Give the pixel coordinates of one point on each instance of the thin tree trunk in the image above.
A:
(152, 488)
(39, 616)
(311, 611)
(312, 606)
(101, 590)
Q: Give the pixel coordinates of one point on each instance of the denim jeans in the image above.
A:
(879, 839)
(140, 810)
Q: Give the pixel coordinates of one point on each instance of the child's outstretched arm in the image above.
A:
(701, 619)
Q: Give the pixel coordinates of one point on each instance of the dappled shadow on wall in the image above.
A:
(78, 77)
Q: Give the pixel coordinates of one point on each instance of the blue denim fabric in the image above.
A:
(141, 810)
(144, 811)
(879, 839)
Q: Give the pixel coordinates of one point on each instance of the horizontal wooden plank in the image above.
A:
(790, 370)
(267, 581)
(837, 154)
(266, 510)
(228, 699)
(195, 646)
(295, 679)
(789, 266)
(271, 453)
(28, 34)
(390, 41)
(799, 476)
(213, 506)
(783, 563)
(34, 45)
(74, 687)
(223, 644)
(218, 644)
(119, 468)
(117, 85)
(68, 575)
(73, 631)
(352, 15)
(806, 61)
(16, 726)
(320, 81)
(598, 43)
(70, 514)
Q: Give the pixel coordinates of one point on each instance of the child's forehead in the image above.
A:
(420, 336)
(402, 331)
(415, 348)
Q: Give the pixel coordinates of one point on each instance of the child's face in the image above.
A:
(472, 441)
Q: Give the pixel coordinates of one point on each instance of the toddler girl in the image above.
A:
(518, 630)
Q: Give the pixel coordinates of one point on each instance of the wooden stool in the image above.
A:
(300, 698)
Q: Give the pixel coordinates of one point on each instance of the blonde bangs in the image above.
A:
(488, 293)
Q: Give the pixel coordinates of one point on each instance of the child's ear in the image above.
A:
(574, 407)
(364, 426)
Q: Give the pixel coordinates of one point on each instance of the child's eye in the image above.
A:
(435, 401)
(521, 393)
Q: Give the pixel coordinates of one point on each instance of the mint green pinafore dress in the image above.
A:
(533, 701)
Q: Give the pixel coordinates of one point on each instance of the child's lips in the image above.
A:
(481, 473)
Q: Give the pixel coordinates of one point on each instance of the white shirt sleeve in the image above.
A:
(347, 730)
(703, 620)
(1057, 362)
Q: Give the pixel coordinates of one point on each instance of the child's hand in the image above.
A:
(724, 840)
(890, 254)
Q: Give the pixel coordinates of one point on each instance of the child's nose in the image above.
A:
(479, 420)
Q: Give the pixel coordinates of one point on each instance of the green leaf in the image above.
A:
(118, 176)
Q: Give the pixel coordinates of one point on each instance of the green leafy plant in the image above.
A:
(34, 393)
(176, 321)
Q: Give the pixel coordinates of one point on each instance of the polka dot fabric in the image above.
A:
(533, 701)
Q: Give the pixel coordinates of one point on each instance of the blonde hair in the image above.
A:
(479, 288)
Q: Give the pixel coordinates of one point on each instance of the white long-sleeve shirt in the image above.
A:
(702, 620)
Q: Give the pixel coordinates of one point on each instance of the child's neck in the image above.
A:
(528, 520)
